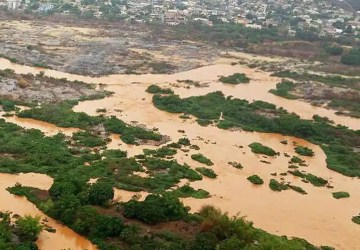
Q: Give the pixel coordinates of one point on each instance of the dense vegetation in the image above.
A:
(235, 79)
(334, 50)
(226, 34)
(62, 115)
(255, 179)
(338, 142)
(258, 148)
(24, 229)
(330, 80)
(155, 209)
(352, 57)
(209, 228)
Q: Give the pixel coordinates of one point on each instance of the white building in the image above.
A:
(13, 4)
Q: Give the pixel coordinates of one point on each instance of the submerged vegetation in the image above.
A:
(338, 142)
(258, 148)
(235, 79)
(304, 151)
(313, 179)
(105, 226)
(207, 172)
(62, 115)
(154, 89)
(202, 159)
(331, 80)
(283, 88)
(277, 186)
(356, 219)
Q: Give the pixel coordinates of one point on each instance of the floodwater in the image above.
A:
(258, 89)
(64, 238)
(317, 216)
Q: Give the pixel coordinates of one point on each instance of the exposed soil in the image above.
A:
(30, 88)
(94, 49)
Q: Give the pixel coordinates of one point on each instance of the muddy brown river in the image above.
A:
(317, 216)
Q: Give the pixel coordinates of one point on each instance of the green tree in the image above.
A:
(100, 192)
(28, 227)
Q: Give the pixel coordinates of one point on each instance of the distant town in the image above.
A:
(324, 18)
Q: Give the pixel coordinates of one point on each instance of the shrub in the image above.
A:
(304, 151)
(154, 89)
(283, 88)
(184, 141)
(235, 79)
(207, 172)
(334, 50)
(277, 186)
(258, 148)
(236, 164)
(352, 57)
(315, 180)
(340, 195)
(188, 191)
(255, 179)
(7, 105)
(161, 152)
(356, 219)
(202, 159)
(296, 159)
(88, 139)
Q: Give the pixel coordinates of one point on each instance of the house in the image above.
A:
(13, 4)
